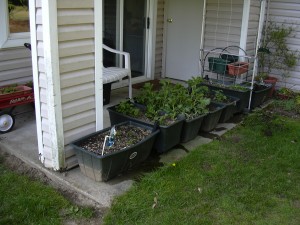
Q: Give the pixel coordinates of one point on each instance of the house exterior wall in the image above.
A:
(77, 71)
(76, 78)
(222, 28)
(223, 23)
(15, 66)
(287, 12)
(159, 38)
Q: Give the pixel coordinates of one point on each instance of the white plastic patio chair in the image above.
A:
(113, 74)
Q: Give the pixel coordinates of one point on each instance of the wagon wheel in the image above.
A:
(7, 122)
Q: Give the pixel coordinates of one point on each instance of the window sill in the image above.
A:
(13, 43)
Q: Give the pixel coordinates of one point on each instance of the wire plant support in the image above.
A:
(227, 66)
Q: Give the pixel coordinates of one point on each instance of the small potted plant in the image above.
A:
(285, 93)
(275, 54)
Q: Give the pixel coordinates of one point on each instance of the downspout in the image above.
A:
(201, 53)
(258, 41)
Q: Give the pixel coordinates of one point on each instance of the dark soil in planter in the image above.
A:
(127, 135)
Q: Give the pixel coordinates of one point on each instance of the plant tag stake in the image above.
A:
(104, 144)
(111, 139)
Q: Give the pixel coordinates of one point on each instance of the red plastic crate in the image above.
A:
(237, 68)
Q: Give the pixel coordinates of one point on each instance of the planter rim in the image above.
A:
(234, 100)
(218, 105)
(226, 87)
(75, 145)
(112, 108)
(197, 117)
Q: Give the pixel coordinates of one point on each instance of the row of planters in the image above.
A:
(260, 92)
(162, 119)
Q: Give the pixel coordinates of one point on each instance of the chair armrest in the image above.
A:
(126, 55)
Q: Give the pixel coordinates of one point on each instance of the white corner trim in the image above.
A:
(51, 57)
(34, 57)
(244, 27)
(98, 64)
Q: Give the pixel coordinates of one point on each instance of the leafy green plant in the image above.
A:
(238, 87)
(275, 54)
(127, 108)
(172, 101)
(287, 92)
(195, 81)
(219, 96)
(8, 89)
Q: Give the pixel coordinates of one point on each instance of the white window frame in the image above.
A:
(8, 40)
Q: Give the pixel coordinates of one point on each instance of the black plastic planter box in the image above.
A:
(168, 137)
(191, 128)
(103, 168)
(229, 109)
(211, 120)
(242, 95)
(259, 97)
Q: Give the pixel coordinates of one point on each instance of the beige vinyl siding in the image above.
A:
(288, 12)
(159, 38)
(15, 66)
(223, 23)
(76, 56)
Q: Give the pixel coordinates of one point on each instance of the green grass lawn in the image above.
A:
(250, 176)
(24, 201)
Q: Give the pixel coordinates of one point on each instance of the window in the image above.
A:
(14, 27)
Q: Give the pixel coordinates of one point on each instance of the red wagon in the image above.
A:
(22, 95)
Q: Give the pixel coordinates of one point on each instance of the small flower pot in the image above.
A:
(272, 81)
(104, 167)
(217, 65)
(237, 68)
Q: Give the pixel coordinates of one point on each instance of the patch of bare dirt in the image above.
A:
(20, 167)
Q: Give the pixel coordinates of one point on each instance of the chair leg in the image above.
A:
(130, 86)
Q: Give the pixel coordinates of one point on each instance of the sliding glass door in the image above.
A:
(125, 27)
